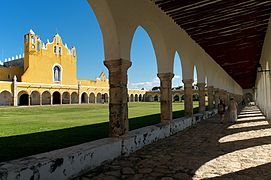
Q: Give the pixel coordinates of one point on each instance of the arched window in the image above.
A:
(57, 73)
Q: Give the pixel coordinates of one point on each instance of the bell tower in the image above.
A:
(32, 45)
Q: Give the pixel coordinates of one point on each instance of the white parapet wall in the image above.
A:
(70, 162)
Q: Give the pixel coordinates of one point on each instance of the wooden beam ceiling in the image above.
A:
(231, 31)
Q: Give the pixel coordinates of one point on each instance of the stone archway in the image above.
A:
(136, 98)
(35, 98)
(105, 98)
(84, 98)
(92, 98)
(176, 98)
(140, 97)
(66, 98)
(23, 98)
(6, 98)
(131, 98)
(46, 98)
(156, 98)
(56, 98)
(74, 98)
(99, 98)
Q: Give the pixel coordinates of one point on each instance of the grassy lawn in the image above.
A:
(30, 130)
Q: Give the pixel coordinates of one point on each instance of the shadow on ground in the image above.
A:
(208, 151)
(14, 147)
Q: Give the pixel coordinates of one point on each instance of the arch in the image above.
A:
(158, 43)
(136, 98)
(99, 98)
(35, 98)
(56, 97)
(66, 98)
(57, 72)
(84, 98)
(91, 98)
(176, 98)
(131, 98)
(74, 98)
(140, 98)
(156, 98)
(23, 98)
(177, 69)
(6, 98)
(105, 98)
(46, 98)
(150, 98)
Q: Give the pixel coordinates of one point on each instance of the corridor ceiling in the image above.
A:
(232, 32)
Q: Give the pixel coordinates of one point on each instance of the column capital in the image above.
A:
(165, 76)
(188, 81)
(117, 64)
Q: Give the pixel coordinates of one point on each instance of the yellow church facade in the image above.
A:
(46, 75)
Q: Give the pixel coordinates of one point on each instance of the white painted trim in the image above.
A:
(5, 82)
(61, 71)
(7, 91)
(46, 91)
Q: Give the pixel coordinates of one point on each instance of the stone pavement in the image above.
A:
(209, 151)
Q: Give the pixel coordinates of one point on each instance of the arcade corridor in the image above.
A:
(210, 150)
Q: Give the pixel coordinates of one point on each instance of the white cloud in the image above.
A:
(148, 85)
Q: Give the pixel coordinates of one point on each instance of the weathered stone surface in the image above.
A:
(201, 89)
(188, 101)
(118, 108)
(165, 96)
(69, 162)
(209, 151)
(128, 171)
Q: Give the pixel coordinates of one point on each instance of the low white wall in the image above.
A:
(70, 162)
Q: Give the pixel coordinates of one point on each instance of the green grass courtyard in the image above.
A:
(26, 131)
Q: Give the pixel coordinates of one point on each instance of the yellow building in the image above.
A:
(46, 75)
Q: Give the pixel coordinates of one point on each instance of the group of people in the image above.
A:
(232, 108)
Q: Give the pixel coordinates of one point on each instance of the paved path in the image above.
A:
(209, 151)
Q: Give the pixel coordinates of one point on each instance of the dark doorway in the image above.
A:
(56, 98)
(24, 100)
(176, 98)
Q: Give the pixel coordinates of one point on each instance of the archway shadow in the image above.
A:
(204, 151)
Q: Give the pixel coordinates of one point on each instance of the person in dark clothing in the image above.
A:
(221, 111)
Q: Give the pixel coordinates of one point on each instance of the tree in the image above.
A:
(156, 88)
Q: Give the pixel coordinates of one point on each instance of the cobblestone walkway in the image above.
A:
(209, 151)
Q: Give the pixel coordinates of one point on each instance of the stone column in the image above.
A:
(15, 97)
(52, 98)
(60, 98)
(210, 97)
(118, 107)
(40, 99)
(79, 93)
(29, 99)
(165, 96)
(188, 101)
(70, 98)
(201, 89)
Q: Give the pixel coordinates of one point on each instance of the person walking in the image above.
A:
(233, 106)
(221, 110)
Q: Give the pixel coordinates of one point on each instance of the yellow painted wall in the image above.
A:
(39, 64)
(7, 73)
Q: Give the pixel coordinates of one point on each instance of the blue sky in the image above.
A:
(77, 25)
